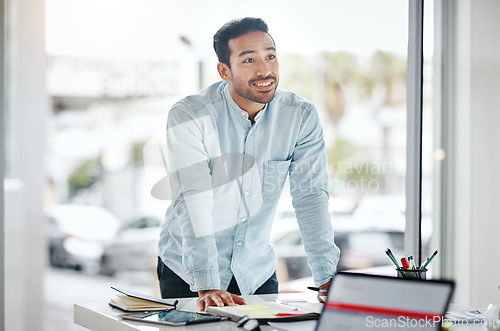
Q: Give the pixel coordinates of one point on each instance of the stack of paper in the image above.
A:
(130, 304)
(265, 311)
(129, 301)
(464, 316)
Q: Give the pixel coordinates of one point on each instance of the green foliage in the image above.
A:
(348, 172)
(340, 151)
(388, 69)
(346, 78)
(84, 175)
(138, 152)
(298, 74)
(341, 71)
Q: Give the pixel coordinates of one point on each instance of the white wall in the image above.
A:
(2, 165)
(27, 105)
(470, 87)
(485, 122)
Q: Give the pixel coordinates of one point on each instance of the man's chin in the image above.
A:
(265, 97)
(262, 97)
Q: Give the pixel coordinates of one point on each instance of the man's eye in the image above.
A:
(248, 61)
(271, 57)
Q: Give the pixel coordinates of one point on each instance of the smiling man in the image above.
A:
(252, 71)
(230, 148)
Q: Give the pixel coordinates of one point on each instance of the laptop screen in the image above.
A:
(367, 302)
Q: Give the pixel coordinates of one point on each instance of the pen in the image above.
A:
(428, 260)
(287, 314)
(393, 259)
(317, 289)
(412, 263)
(405, 263)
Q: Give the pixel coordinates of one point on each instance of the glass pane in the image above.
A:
(353, 68)
(112, 79)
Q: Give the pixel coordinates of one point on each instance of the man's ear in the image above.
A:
(224, 71)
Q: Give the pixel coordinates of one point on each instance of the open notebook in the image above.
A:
(367, 302)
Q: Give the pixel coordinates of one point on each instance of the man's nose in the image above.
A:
(263, 69)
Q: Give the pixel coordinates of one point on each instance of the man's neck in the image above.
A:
(252, 108)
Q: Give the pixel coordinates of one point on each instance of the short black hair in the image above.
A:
(234, 29)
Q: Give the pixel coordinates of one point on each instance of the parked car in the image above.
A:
(135, 246)
(360, 248)
(285, 220)
(362, 231)
(77, 234)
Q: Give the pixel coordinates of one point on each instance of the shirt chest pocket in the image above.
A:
(274, 176)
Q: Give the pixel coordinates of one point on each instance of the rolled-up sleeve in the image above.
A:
(192, 195)
(309, 190)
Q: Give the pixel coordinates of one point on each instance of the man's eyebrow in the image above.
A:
(272, 48)
(245, 53)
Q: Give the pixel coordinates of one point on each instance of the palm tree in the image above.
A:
(389, 70)
(341, 70)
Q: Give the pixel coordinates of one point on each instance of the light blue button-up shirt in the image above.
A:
(226, 177)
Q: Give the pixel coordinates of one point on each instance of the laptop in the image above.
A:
(369, 302)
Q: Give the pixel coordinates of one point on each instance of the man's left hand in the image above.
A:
(323, 290)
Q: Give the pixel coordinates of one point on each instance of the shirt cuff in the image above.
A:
(322, 275)
(204, 280)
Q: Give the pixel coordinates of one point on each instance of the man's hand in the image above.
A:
(217, 298)
(323, 290)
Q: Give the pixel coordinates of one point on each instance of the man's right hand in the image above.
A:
(217, 298)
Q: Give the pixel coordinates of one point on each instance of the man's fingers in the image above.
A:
(201, 304)
(322, 296)
(238, 300)
(217, 300)
(227, 298)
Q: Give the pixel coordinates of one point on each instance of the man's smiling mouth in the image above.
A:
(265, 84)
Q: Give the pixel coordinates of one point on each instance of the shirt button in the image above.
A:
(249, 164)
(243, 219)
(192, 282)
(250, 132)
(247, 193)
(238, 243)
(234, 266)
(243, 113)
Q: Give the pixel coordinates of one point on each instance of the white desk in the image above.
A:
(101, 317)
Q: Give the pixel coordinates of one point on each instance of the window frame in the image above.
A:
(414, 82)
(2, 164)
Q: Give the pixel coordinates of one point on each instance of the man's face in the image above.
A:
(254, 74)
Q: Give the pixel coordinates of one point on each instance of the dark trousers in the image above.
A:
(172, 286)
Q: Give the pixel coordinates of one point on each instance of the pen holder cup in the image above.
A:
(411, 273)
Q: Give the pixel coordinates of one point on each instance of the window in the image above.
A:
(349, 58)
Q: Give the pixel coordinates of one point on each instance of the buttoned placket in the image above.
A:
(246, 179)
(246, 192)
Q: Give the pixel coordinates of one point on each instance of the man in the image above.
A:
(230, 148)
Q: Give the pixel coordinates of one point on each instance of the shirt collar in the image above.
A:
(237, 108)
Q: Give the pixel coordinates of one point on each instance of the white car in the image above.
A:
(77, 234)
(135, 246)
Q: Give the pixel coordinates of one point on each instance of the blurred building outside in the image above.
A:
(108, 118)
(99, 128)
